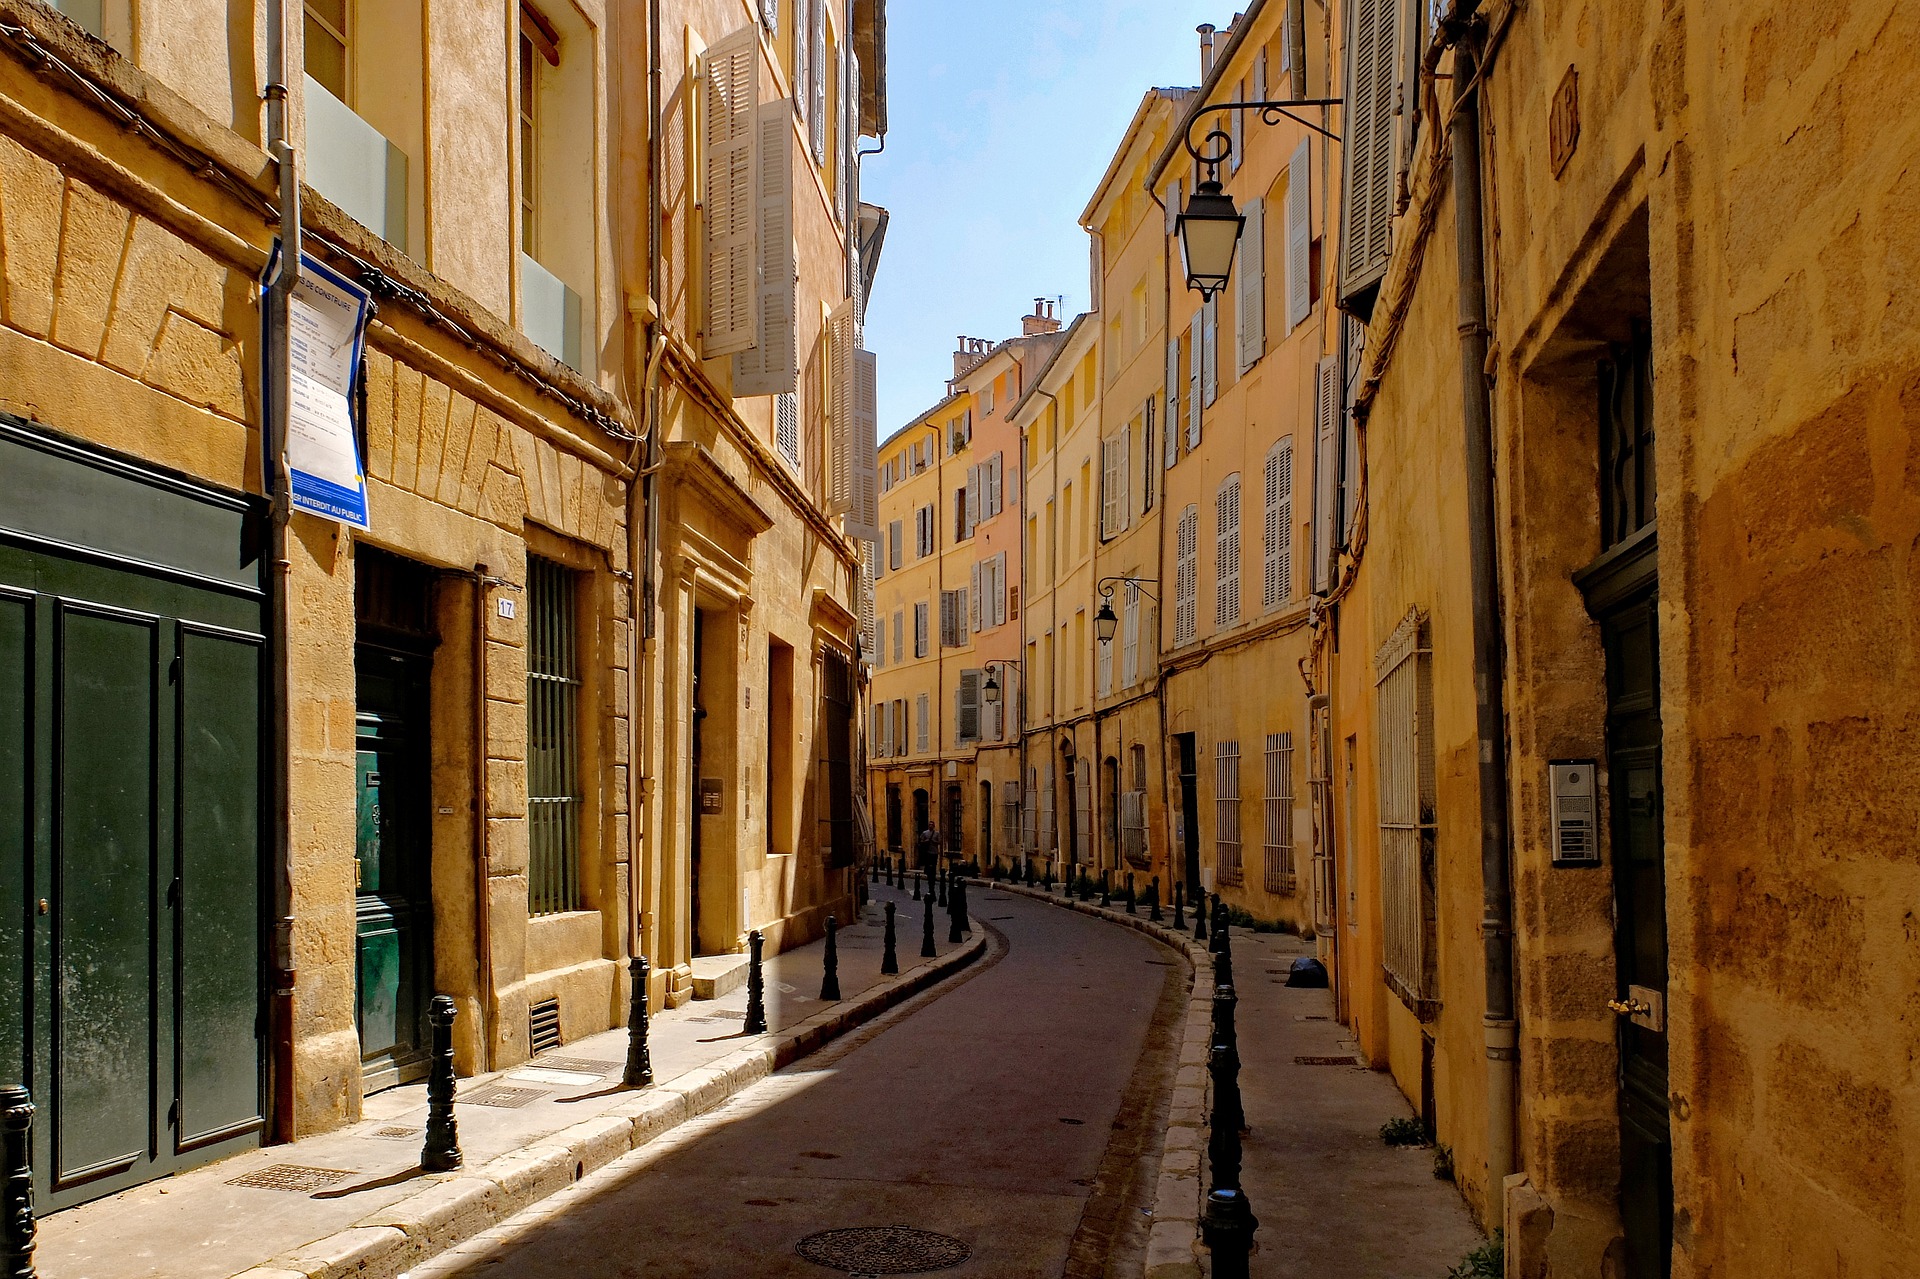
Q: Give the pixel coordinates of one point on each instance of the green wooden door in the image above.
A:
(130, 832)
(393, 847)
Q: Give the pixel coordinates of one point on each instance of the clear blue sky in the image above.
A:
(1003, 115)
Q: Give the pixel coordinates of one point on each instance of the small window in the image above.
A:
(328, 43)
(553, 754)
(1226, 840)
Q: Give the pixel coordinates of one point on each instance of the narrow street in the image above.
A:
(1003, 1113)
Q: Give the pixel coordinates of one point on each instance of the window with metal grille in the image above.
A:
(1404, 695)
(1226, 559)
(553, 751)
(1226, 795)
(1279, 842)
(1016, 837)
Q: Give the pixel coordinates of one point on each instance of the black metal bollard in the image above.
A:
(889, 957)
(875, 867)
(1046, 878)
(1153, 900)
(1132, 899)
(1227, 1222)
(1179, 907)
(940, 875)
(1219, 924)
(639, 1059)
(17, 1227)
(1225, 1037)
(1222, 950)
(926, 931)
(756, 985)
(960, 904)
(916, 885)
(441, 1153)
(830, 964)
(1200, 915)
(1106, 888)
(957, 912)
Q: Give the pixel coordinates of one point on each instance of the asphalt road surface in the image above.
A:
(1010, 1109)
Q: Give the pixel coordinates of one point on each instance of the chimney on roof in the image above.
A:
(969, 354)
(1206, 49)
(1041, 321)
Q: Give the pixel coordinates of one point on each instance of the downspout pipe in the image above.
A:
(1489, 673)
(279, 580)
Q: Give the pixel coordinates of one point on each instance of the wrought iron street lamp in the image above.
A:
(991, 689)
(1210, 226)
(1105, 621)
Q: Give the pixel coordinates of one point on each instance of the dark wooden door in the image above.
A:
(1190, 809)
(131, 773)
(1630, 633)
(695, 820)
(394, 850)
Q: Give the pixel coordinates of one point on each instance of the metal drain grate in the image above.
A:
(396, 1133)
(543, 1031)
(1326, 1061)
(580, 1064)
(719, 1015)
(295, 1178)
(504, 1098)
(883, 1250)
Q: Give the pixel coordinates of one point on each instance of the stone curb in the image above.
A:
(1173, 1243)
(456, 1208)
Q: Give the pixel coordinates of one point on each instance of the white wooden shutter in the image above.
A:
(802, 49)
(899, 636)
(1236, 128)
(1000, 589)
(1195, 342)
(842, 342)
(1226, 560)
(967, 706)
(1366, 203)
(1173, 402)
(1125, 460)
(817, 117)
(1278, 575)
(1130, 638)
(786, 427)
(729, 74)
(920, 724)
(1250, 287)
(849, 135)
(960, 616)
(879, 641)
(1325, 487)
(896, 535)
(973, 498)
(1185, 588)
(922, 621)
(864, 518)
(1299, 234)
(1109, 487)
(1260, 73)
(1210, 350)
(1350, 434)
(772, 367)
(973, 594)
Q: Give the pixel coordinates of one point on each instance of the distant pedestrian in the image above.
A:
(929, 848)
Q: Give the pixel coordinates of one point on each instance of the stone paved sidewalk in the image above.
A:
(380, 1213)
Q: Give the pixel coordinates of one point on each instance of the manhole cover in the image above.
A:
(882, 1250)
(396, 1133)
(1326, 1061)
(503, 1098)
(580, 1064)
(291, 1177)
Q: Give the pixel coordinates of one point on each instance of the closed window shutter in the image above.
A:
(960, 617)
(879, 642)
(973, 594)
(1278, 575)
(899, 637)
(920, 724)
(1194, 343)
(849, 164)
(1109, 488)
(1250, 287)
(895, 537)
(817, 118)
(1149, 459)
(1236, 129)
(946, 619)
(1325, 486)
(802, 48)
(1130, 651)
(1350, 433)
(973, 499)
(967, 706)
(772, 366)
(1260, 74)
(786, 428)
(1366, 203)
(1186, 554)
(1299, 234)
(1210, 350)
(843, 341)
(1226, 582)
(1173, 402)
(921, 622)
(864, 519)
(1000, 589)
(1122, 510)
(729, 74)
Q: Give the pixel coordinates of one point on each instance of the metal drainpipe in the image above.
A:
(643, 540)
(1488, 658)
(1160, 553)
(280, 298)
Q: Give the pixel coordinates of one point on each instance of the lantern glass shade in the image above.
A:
(1209, 233)
(991, 689)
(1104, 623)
